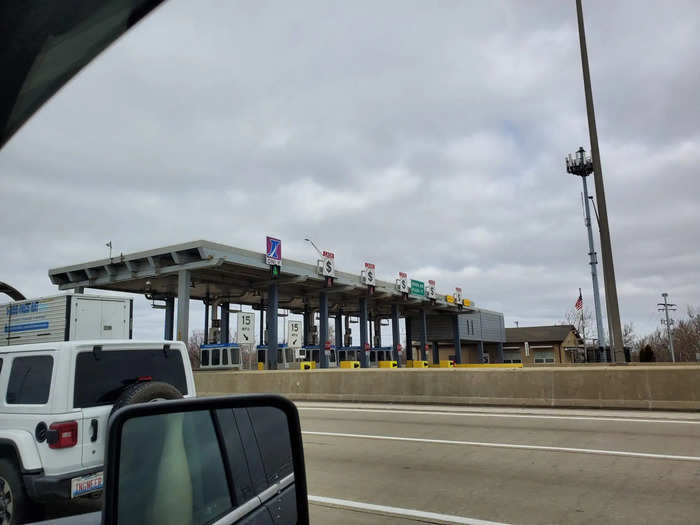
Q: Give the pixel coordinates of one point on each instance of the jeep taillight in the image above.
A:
(63, 434)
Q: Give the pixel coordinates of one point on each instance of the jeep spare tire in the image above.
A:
(146, 392)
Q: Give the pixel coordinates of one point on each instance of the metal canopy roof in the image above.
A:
(241, 276)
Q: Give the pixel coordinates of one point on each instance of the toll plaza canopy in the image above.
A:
(216, 273)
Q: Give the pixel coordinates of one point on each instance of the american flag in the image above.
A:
(579, 301)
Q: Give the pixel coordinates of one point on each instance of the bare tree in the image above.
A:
(193, 345)
(686, 336)
(628, 336)
(583, 323)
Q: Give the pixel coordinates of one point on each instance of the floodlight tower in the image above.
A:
(581, 165)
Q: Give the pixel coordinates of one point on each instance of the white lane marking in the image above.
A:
(399, 511)
(501, 414)
(508, 445)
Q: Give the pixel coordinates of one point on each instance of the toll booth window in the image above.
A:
(30, 380)
(205, 357)
(101, 377)
(280, 355)
(215, 357)
(289, 354)
(224, 356)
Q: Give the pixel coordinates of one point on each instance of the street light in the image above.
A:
(581, 165)
(315, 247)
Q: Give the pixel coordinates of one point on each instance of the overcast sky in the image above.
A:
(426, 137)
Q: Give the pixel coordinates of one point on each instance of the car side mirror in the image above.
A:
(233, 459)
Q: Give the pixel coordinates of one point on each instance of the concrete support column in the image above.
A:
(499, 353)
(225, 318)
(323, 328)
(409, 339)
(364, 356)
(458, 340)
(480, 352)
(395, 332)
(184, 278)
(436, 353)
(338, 330)
(272, 296)
(424, 334)
(307, 326)
(262, 322)
(169, 318)
(206, 322)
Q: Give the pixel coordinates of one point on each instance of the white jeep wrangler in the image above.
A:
(55, 402)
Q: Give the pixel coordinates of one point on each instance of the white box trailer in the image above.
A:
(66, 318)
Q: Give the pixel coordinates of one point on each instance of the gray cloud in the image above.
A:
(425, 137)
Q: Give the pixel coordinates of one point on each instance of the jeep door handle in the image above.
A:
(93, 428)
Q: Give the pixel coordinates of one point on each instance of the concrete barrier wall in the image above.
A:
(647, 387)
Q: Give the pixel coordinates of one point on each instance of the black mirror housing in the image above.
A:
(155, 453)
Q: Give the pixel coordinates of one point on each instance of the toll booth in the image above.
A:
(313, 353)
(287, 358)
(348, 353)
(377, 354)
(220, 355)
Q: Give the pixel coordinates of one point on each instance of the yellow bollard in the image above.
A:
(307, 365)
(447, 363)
(388, 364)
(349, 364)
(261, 366)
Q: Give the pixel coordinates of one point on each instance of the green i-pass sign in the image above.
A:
(417, 287)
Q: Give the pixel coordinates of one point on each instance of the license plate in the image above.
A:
(86, 484)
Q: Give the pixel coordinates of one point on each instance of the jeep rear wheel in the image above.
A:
(14, 503)
(146, 392)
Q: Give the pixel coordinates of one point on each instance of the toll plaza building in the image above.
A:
(439, 326)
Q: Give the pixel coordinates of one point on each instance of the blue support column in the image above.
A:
(480, 352)
(409, 339)
(424, 334)
(307, 325)
(364, 356)
(323, 328)
(338, 330)
(436, 353)
(272, 298)
(395, 332)
(225, 318)
(499, 353)
(458, 340)
(169, 318)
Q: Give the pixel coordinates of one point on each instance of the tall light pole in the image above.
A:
(611, 301)
(665, 307)
(582, 166)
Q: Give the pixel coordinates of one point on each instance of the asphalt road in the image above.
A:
(571, 466)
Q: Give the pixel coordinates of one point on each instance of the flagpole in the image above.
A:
(583, 326)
